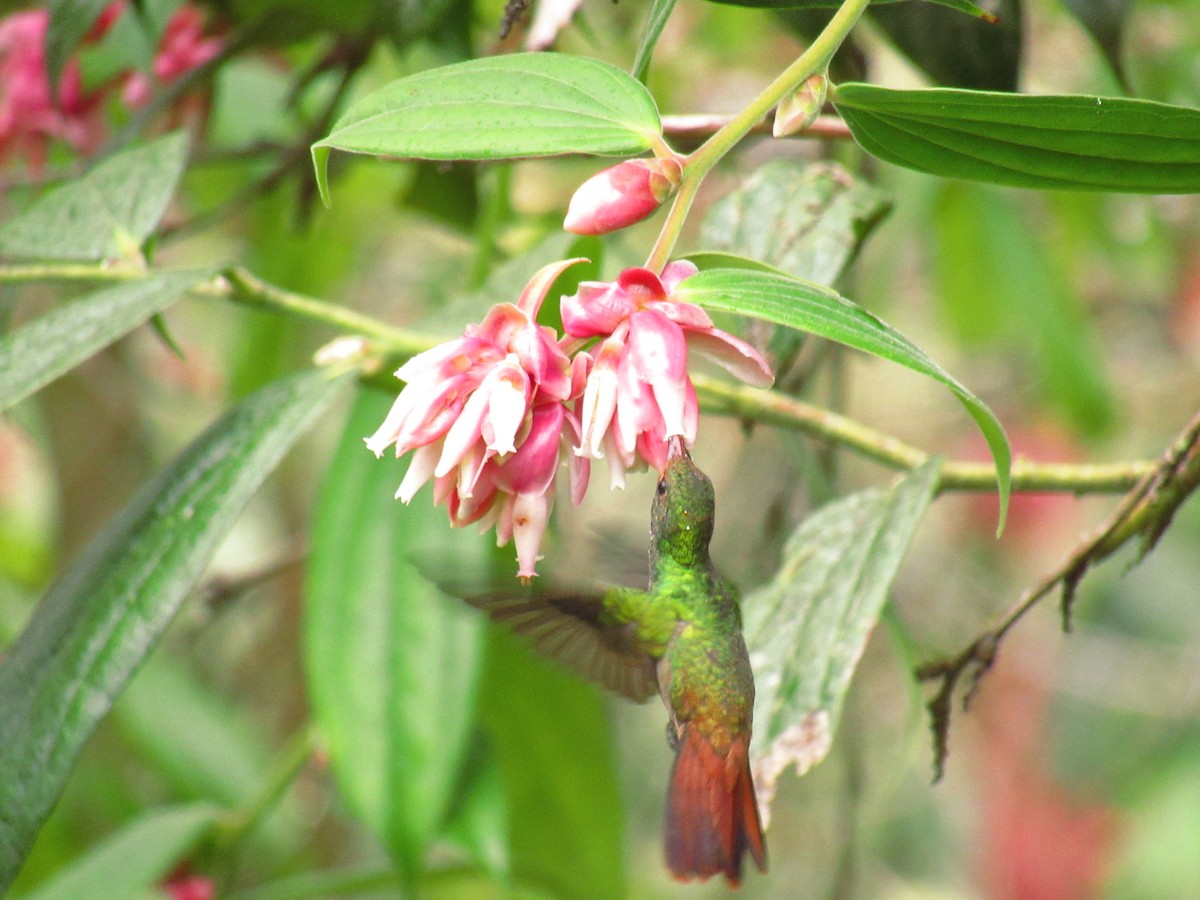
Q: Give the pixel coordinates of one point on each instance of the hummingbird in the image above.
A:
(681, 638)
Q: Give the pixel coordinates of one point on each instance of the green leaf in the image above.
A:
(70, 20)
(808, 221)
(34, 355)
(554, 746)
(392, 663)
(820, 311)
(807, 629)
(499, 107)
(129, 864)
(999, 283)
(656, 21)
(963, 6)
(717, 259)
(954, 50)
(105, 214)
(1060, 142)
(95, 625)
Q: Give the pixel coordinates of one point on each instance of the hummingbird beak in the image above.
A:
(676, 449)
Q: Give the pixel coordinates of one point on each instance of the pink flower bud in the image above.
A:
(622, 195)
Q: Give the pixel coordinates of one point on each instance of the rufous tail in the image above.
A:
(712, 813)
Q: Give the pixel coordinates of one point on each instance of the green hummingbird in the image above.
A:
(682, 638)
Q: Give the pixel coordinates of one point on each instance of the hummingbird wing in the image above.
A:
(613, 638)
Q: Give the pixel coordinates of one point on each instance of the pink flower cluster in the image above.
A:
(29, 116)
(32, 115)
(493, 415)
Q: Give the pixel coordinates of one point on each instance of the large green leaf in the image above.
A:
(554, 745)
(499, 107)
(807, 629)
(392, 663)
(95, 625)
(820, 311)
(1062, 142)
(808, 221)
(129, 864)
(107, 213)
(39, 352)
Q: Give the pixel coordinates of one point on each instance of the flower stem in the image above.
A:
(237, 285)
(699, 163)
(775, 408)
(282, 774)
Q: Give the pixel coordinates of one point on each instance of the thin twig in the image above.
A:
(1144, 512)
(698, 126)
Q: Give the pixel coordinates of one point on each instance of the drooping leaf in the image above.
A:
(554, 746)
(963, 6)
(97, 623)
(105, 214)
(392, 664)
(1069, 142)
(129, 864)
(954, 50)
(997, 274)
(808, 221)
(820, 311)
(499, 107)
(34, 355)
(70, 20)
(807, 629)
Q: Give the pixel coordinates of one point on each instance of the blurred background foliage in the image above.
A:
(1077, 317)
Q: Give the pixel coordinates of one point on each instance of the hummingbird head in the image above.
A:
(681, 520)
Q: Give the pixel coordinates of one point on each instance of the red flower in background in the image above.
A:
(182, 47)
(31, 116)
(1039, 841)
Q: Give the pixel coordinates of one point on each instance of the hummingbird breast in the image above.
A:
(704, 675)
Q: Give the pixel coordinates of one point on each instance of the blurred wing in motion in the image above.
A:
(586, 632)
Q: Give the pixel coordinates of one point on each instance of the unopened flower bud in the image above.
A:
(622, 195)
(800, 109)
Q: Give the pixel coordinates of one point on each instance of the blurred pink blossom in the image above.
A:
(190, 887)
(484, 416)
(639, 393)
(30, 115)
(182, 47)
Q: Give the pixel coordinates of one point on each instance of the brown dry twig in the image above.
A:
(1145, 512)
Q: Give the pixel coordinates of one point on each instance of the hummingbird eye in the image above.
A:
(662, 487)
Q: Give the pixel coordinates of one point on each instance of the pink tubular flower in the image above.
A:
(485, 415)
(638, 393)
(622, 195)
